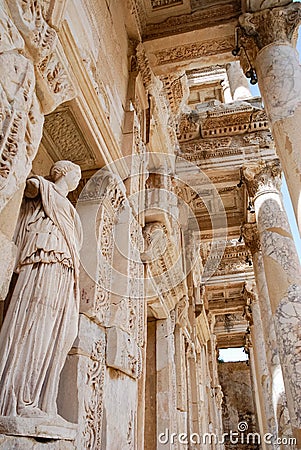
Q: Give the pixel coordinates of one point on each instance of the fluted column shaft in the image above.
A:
(238, 83)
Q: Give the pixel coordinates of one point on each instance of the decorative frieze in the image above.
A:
(195, 50)
(234, 119)
(197, 19)
(158, 4)
(188, 128)
(177, 91)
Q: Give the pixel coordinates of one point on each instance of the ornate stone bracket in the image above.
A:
(250, 235)
(250, 296)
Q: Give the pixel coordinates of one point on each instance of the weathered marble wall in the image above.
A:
(98, 29)
(238, 402)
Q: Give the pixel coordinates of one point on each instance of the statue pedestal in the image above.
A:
(43, 427)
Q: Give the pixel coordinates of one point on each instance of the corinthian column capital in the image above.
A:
(262, 177)
(271, 25)
(250, 234)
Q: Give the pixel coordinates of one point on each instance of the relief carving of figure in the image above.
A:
(42, 319)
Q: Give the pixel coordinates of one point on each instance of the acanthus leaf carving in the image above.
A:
(40, 38)
(261, 176)
(272, 24)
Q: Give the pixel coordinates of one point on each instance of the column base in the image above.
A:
(44, 427)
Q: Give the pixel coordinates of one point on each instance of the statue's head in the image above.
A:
(67, 169)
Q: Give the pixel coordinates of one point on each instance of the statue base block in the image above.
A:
(44, 427)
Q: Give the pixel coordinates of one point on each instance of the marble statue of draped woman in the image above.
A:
(42, 319)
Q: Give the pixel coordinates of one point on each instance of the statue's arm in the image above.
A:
(32, 188)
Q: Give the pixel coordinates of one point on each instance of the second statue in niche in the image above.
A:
(42, 319)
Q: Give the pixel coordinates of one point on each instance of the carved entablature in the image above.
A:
(53, 11)
(250, 235)
(157, 4)
(54, 85)
(233, 120)
(177, 91)
(194, 51)
(144, 67)
(162, 256)
(198, 18)
(188, 128)
(161, 121)
(98, 84)
(235, 260)
(272, 25)
(205, 145)
(257, 5)
(262, 177)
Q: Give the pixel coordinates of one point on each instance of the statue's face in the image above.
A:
(72, 178)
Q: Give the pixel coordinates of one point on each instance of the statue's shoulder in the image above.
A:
(32, 188)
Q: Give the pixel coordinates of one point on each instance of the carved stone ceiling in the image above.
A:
(224, 294)
(187, 34)
(204, 202)
(169, 17)
(65, 136)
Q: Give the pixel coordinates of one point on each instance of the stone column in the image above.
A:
(238, 83)
(283, 275)
(257, 400)
(277, 65)
(273, 385)
(166, 382)
(226, 91)
(261, 374)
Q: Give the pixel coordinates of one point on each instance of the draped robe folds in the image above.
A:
(42, 319)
